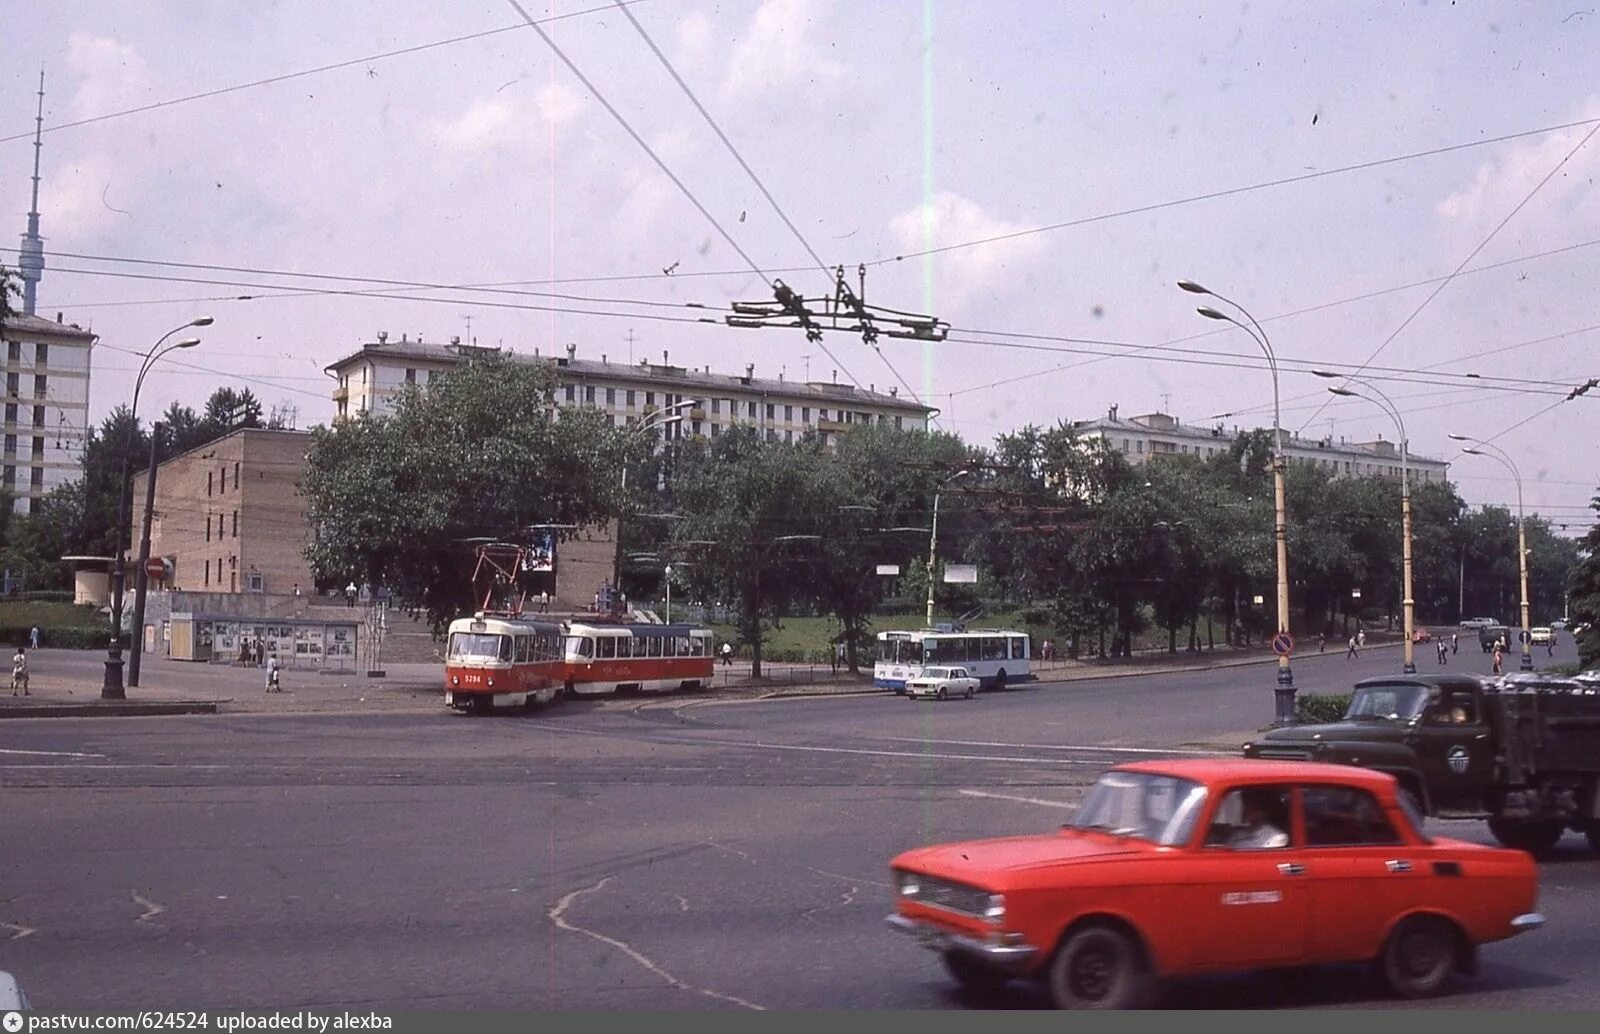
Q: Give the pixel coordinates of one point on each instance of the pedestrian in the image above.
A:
(33, 637)
(834, 656)
(1322, 642)
(296, 590)
(1352, 651)
(261, 653)
(273, 685)
(1361, 637)
(244, 652)
(727, 654)
(350, 595)
(19, 671)
(1455, 642)
(1550, 644)
(1443, 652)
(1497, 657)
(1048, 650)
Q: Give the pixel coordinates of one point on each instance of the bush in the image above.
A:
(1313, 708)
(59, 638)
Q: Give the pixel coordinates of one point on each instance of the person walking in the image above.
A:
(1550, 646)
(1354, 650)
(350, 595)
(273, 682)
(1322, 642)
(33, 638)
(727, 654)
(1455, 642)
(1361, 637)
(1444, 653)
(1498, 656)
(19, 671)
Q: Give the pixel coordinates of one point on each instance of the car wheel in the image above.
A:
(1533, 837)
(942, 693)
(1419, 957)
(1099, 968)
(973, 976)
(969, 693)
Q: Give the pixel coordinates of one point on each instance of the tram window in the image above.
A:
(522, 649)
(578, 646)
(655, 645)
(606, 647)
(505, 648)
(683, 646)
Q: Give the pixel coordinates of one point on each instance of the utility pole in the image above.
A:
(136, 641)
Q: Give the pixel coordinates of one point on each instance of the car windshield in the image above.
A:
(1399, 702)
(480, 647)
(935, 673)
(1158, 808)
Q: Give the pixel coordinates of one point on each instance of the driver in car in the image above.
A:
(1258, 831)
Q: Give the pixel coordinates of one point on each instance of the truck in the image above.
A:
(1522, 750)
(1488, 635)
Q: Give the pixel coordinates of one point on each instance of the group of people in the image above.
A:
(1445, 649)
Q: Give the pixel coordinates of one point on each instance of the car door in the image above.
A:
(1363, 875)
(1453, 745)
(1247, 903)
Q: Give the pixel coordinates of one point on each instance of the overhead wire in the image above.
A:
(762, 187)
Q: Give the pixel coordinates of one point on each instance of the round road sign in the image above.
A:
(1283, 644)
(156, 568)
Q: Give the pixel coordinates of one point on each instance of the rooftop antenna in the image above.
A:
(630, 346)
(30, 264)
(468, 317)
(1166, 402)
(807, 358)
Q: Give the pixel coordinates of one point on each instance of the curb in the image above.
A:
(111, 709)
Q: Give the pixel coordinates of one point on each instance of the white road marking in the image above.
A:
(21, 931)
(63, 768)
(683, 902)
(49, 753)
(557, 917)
(151, 909)
(922, 755)
(1020, 800)
(1048, 746)
(731, 850)
(848, 879)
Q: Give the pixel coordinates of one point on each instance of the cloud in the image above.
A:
(80, 197)
(112, 75)
(694, 33)
(781, 49)
(509, 120)
(948, 218)
(1500, 183)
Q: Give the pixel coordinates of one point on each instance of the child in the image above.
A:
(272, 675)
(19, 671)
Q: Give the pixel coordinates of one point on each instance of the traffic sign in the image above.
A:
(156, 568)
(1525, 636)
(1283, 644)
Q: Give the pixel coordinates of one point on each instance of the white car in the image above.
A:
(11, 997)
(941, 684)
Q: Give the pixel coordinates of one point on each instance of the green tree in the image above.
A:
(480, 451)
(1583, 594)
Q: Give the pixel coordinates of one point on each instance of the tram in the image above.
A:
(502, 662)
(602, 658)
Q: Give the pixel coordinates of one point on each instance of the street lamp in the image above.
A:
(112, 688)
(933, 536)
(660, 418)
(1499, 455)
(1284, 695)
(1388, 406)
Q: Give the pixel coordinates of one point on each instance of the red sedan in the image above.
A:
(1188, 867)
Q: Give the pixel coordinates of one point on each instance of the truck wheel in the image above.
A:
(1099, 968)
(1536, 838)
(1419, 957)
(973, 976)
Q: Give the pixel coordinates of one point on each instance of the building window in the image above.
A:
(41, 355)
(788, 414)
(771, 410)
(716, 405)
(38, 448)
(772, 435)
(611, 396)
(572, 393)
(13, 351)
(694, 427)
(588, 393)
(220, 527)
(36, 480)
(224, 479)
(411, 375)
(630, 398)
(208, 563)
(208, 486)
(236, 475)
(752, 406)
(714, 430)
(430, 376)
(255, 581)
(236, 524)
(11, 445)
(805, 414)
(788, 436)
(1138, 445)
(38, 416)
(40, 386)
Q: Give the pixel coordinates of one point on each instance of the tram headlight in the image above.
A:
(455, 680)
(491, 683)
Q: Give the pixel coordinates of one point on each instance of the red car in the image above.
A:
(1189, 867)
(1422, 635)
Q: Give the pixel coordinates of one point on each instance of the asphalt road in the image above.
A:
(635, 853)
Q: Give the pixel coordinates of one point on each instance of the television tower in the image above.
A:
(30, 265)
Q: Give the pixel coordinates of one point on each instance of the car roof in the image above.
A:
(1254, 771)
(1442, 681)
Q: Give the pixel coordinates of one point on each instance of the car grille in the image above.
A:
(957, 897)
(1283, 753)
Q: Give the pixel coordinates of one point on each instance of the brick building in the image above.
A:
(229, 516)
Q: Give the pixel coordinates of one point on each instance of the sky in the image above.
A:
(1399, 191)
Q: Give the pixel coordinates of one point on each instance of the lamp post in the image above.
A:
(112, 688)
(1499, 455)
(668, 581)
(660, 418)
(933, 537)
(1388, 406)
(1284, 694)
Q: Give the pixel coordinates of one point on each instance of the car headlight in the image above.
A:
(910, 885)
(994, 910)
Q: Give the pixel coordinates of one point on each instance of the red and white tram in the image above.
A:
(602, 658)
(502, 662)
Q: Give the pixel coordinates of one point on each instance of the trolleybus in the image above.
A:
(996, 657)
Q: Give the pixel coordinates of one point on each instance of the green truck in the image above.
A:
(1522, 751)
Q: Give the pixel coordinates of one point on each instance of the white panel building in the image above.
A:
(46, 406)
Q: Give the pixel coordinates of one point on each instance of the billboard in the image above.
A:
(961, 574)
(541, 555)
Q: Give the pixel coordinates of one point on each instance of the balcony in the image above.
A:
(341, 394)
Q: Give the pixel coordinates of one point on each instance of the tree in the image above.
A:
(228, 410)
(480, 451)
(1583, 595)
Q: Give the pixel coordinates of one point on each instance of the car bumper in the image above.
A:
(1010, 958)
(1527, 921)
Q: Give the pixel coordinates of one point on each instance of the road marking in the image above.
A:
(922, 755)
(1021, 800)
(558, 917)
(848, 879)
(21, 931)
(49, 753)
(151, 909)
(63, 768)
(1044, 746)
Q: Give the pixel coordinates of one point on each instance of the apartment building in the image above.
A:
(1152, 435)
(46, 406)
(779, 408)
(229, 515)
